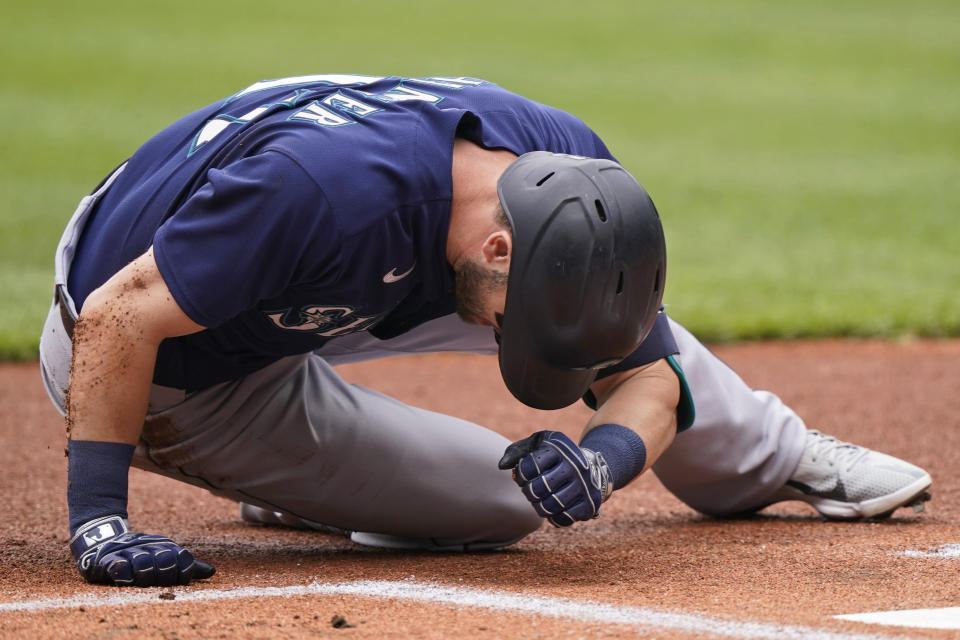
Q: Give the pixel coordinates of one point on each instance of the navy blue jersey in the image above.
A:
(303, 209)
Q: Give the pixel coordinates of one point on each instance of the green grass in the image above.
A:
(805, 156)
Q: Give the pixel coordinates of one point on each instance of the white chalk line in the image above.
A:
(946, 618)
(579, 610)
(946, 551)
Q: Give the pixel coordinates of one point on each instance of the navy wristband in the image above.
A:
(97, 480)
(621, 447)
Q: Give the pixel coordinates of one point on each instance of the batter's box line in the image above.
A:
(946, 551)
(583, 611)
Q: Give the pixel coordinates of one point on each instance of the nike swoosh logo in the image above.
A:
(393, 276)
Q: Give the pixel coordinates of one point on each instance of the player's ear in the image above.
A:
(497, 247)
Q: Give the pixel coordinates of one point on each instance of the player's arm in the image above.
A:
(635, 422)
(643, 400)
(115, 343)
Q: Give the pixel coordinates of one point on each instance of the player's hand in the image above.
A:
(108, 553)
(564, 482)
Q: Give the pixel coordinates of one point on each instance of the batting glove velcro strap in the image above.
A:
(107, 552)
(563, 482)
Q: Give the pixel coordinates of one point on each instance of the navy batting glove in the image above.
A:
(108, 553)
(564, 482)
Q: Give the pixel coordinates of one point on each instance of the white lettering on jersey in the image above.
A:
(212, 129)
(326, 78)
(219, 124)
(215, 127)
(316, 114)
(402, 93)
(450, 83)
(349, 105)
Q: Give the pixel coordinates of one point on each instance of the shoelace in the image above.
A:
(835, 451)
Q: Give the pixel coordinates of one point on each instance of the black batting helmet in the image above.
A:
(586, 273)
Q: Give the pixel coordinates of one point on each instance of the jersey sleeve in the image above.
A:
(252, 229)
(659, 344)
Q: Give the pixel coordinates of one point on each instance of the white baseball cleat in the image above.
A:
(258, 515)
(846, 482)
(387, 541)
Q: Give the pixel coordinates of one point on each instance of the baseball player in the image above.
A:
(206, 288)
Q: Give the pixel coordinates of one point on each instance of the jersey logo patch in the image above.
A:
(322, 321)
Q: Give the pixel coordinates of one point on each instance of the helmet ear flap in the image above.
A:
(586, 275)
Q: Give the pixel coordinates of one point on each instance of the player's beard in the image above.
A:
(473, 285)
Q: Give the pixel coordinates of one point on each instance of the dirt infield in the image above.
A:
(660, 569)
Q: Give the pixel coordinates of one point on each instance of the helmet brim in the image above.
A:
(534, 382)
